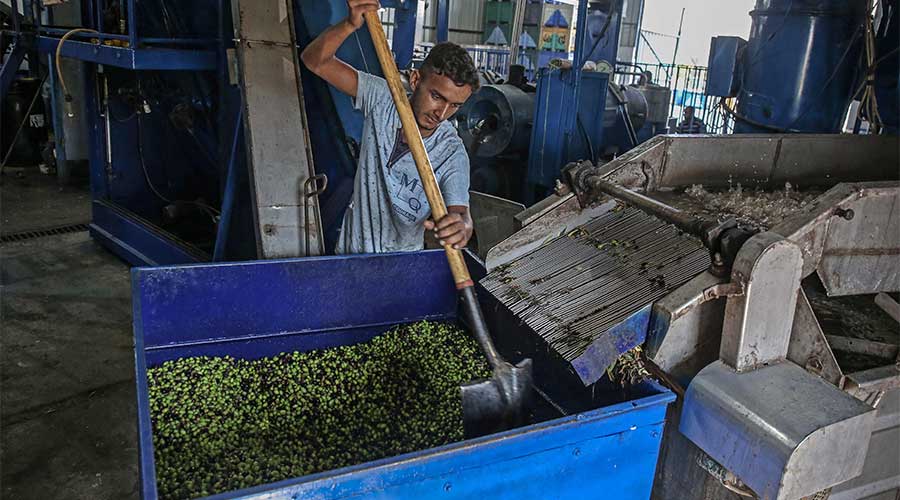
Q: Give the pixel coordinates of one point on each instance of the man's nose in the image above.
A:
(445, 111)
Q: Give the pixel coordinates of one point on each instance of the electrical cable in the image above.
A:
(889, 54)
(212, 212)
(59, 74)
(22, 124)
(587, 138)
(734, 114)
(121, 120)
(603, 30)
(869, 101)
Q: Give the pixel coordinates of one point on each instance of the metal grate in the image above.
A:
(574, 291)
(28, 235)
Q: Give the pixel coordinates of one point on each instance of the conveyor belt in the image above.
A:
(576, 289)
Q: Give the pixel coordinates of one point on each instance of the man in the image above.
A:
(690, 124)
(389, 211)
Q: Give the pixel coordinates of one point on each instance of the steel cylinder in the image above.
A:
(497, 120)
(800, 66)
(638, 106)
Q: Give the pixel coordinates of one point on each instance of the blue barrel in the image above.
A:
(801, 65)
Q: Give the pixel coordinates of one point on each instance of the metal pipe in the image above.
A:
(107, 122)
(675, 91)
(132, 25)
(98, 15)
(678, 38)
(640, 22)
(443, 20)
(102, 36)
(518, 21)
(181, 41)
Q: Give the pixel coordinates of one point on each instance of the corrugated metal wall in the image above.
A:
(466, 21)
(630, 29)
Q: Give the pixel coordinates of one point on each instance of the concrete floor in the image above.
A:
(29, 201)
(67, 394)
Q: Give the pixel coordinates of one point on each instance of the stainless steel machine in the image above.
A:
(746, 267)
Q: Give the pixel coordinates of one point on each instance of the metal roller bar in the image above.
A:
(687, 223)
(585, 292)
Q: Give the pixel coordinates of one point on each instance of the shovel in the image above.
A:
(488, 405)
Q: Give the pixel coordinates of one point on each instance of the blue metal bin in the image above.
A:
(257, 309)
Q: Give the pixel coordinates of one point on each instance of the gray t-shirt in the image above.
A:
(388, 209)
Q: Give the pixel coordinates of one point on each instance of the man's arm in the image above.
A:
(319, 56)
(455, 228)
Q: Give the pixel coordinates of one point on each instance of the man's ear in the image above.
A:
(414, 77)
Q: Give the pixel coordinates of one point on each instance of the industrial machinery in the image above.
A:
(735, 292)
(160, 75)
(838, 53)
(193, 158)
(575, 111)
(184, 109)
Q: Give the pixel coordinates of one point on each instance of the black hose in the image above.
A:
(734, 114)
(587, 139)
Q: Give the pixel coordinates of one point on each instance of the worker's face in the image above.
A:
(435, 98)
(688, 113)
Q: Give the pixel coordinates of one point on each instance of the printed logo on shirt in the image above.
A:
(407, 183)
(406, 200)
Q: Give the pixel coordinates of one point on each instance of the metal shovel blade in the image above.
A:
(498, 403)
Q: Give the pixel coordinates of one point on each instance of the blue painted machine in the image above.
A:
(583, 443)
(168, 124)
(162, 118)
(802, 66)
(575, 112)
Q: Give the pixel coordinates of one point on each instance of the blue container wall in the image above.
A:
(256, 309)
(800, 65)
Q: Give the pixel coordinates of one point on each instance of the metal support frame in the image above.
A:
(797, 425)
(767, 270)
(443, 20)
(141, 53)
(404, 36)
(517, 27)
(279, 157)
(115, 223)
(136, 59)
(20, 45)
(785, 432)
(9, 69)
(138, 241)
(231, 181)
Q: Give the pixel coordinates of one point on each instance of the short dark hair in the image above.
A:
(452, 61)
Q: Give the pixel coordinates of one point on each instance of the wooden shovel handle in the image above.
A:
(416, 146)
